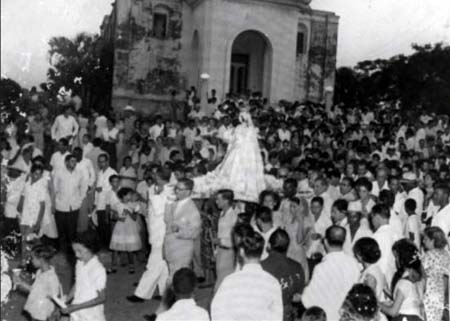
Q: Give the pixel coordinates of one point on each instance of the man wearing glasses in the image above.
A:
(183, 225)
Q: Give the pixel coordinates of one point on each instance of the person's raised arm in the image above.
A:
(392, 309)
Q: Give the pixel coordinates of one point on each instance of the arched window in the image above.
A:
(160, 22)
(302, 39)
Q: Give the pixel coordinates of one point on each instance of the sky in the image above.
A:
(368, 29)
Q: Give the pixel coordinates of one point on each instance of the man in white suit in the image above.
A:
(183, 225)
(156, 274)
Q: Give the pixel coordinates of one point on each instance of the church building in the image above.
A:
(281, 48)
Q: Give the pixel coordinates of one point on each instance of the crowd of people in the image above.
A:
(289, 211)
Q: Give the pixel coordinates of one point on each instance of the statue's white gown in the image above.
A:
(241, 170)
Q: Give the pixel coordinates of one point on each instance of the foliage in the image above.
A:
(9, 91)
(83, 64)
(421, 80)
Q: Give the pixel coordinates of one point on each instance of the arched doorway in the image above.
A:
(251, 64)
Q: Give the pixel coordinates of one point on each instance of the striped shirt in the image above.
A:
(331, 280)
(249, 294)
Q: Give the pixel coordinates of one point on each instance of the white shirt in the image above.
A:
(100, 124)
(417, 195)
(414, 227)
(284, 134)
(376, 188)
(246, 295)
(87, 148)
(57, 161)
(412, 303)
(386, 236)
(156, 208)
(142, 189)
(34, 196)
(64, 126)
(110, 135)
(70, 189)
(13, 192)
(397, 224)
(225, 226)
(87, 168)
(184, 310)
(331, 280)
(155, 131)
(189, 135)
(90, 278)
(362, 231)
(442, 219)
(103, 182)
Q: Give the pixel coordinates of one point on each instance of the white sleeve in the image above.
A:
(54, 128)
(75, 127)
(98, 279)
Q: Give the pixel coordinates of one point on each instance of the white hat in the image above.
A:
(409, 176)
(355, 206)
(129, 108)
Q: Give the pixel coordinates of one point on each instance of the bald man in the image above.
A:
(333, 277)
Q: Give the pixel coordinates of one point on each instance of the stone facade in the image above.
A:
(162, 46)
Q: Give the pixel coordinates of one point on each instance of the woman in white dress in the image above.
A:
(242, 168)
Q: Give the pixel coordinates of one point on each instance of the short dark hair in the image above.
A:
(45, 252)
(113, 177)
(97, 142)
(36, 167)
(291, 181)
(368, 249)
(252, 244)
(335, 235)
(104, 155)
(410, 205)
(38, 159)
(69, 157)
(279, 241)
(162, 174)
(350, 181)
(124, 191)
(184, 282)
(341, 205)
(89, 240)
(387, 198)
(64, 142)
(241, 230)
(317, 199)
(226, 194)
(264, 214)
(364, 182)
(189, 183)
(382, 210)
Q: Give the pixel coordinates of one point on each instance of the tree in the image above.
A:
(421, 80)
(83, 64)
(9, 91)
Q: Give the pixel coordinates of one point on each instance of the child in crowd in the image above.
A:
(87, 296)
(45, 286)
(413, 226)
(407, 296)
(128, 174)
(125, 235)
